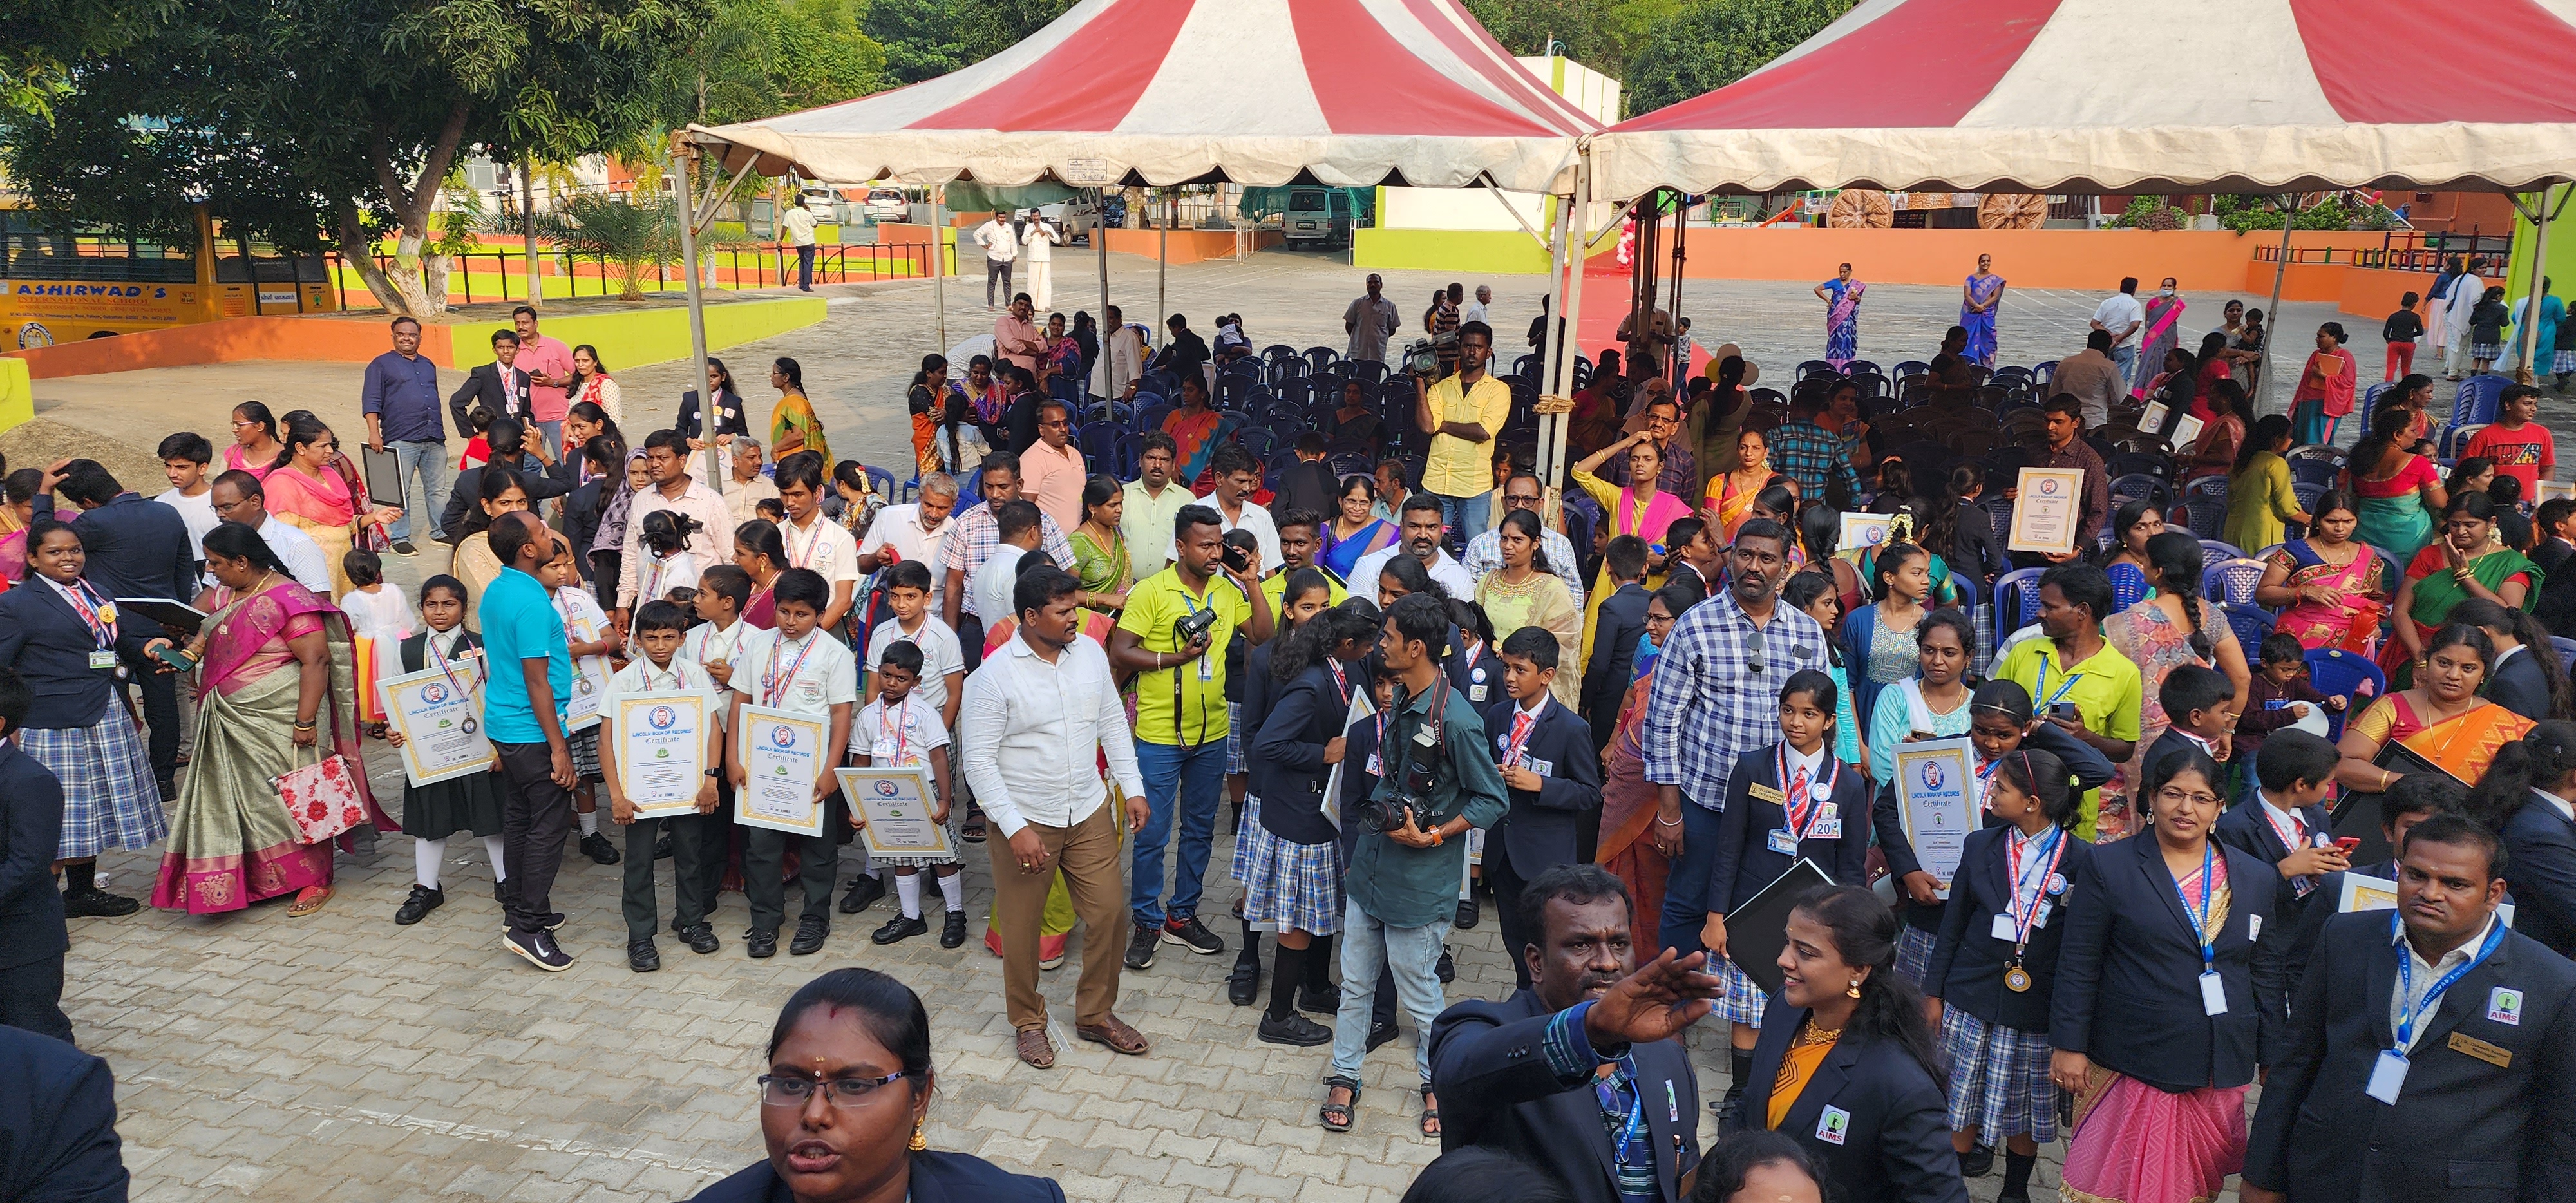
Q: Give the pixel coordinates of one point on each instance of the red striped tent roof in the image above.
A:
(2119, 96)
(1263, 92)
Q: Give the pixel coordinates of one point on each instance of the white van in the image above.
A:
(888, 204)
(1318, 217)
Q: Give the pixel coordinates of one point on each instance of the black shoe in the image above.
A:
(1977, 1162)
(952, 930)
(596, 847)
(1294, 1029)
(1193, 935)
(761, 942)
(865, 889)
(900, 928)
(811, 931)
(701, 938)
(539, 950)
(501, 892)
(1243, 983)
(1468, 914)
(423, 900)
(1447, 969)
(1320, 1000)
(2013, 1196)
(405, 549)
(1380, 1035)
(95, 903)
(641, 956)
(662, 846)
(1140, 946)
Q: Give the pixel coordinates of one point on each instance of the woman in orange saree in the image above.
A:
(2440, 718)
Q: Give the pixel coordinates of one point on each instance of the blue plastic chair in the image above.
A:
(1368, 372)
(2139, 486)
(2251, 624)
(1099, 443)
(2216, 551)
(2316, 463)
(1320, 360)
(2017, 599)
(1814, 368)
(2476, 401)
(881, 482)
(2205, 506)
(2232, 581)
(1150, 418)
(2566, 649)
(2338, 673)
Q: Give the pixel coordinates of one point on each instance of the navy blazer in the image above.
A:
(1479, 684)
(1538, 831)
(2247, 829)
(2541, 863)
(1896, 1126)
(31, 827)
(2462, 1127)
(2128, 971)
(1489, 1067)
(1614, 653)
(467, 496)
(2175, 741)
(1285, 754)
(136, 548)
(483, 388)
(1967, 967)
(57, 1123)
(730, 418)
(2521, 685)
(936, 1178)
(1745, 862)
(43, 638)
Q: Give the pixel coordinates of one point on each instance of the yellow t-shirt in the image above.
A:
(1154, 607)
(2106, 689)
(1458, 468)
(1275, 587)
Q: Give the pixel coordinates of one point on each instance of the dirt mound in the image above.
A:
(39, 443)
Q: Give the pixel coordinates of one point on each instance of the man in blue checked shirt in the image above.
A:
(1806, 452)
(1716, 697)
(1609, 1104)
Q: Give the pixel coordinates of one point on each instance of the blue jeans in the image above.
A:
(2126, 356)
(554, 438)
(1194, 774)
(1686, 887)
(427, 460)
(1465, 516)
(1412, 956)
(805, 268)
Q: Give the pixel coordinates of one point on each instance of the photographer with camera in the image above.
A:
(1172, 638)
(1435, 780)
(1463, 413)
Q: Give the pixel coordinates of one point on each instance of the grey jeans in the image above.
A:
(997, 269)
(1412, 955)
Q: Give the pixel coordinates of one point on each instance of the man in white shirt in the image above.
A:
(2122, 315)
(1238, 476)
(1154, 500)
(1475, 311)
(184, 457)
(1422, 527)
(1036, 717)
(746, 488)
(1015, 523)
(666, 460)
(237, 497)
(1485, 551)
(1001, 248)
(1038, 241)
(913, 530)
(814, 541)
(798, 222)
(1122, 357)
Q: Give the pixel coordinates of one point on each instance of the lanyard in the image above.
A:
(2208, 895)
(772, 681)
(444, 664)
(1474, 651)
(2054, 698)
(648, 677)
(707, 646)
(95, 613)
(1806, 814)
(2027, 887)
(2408, 1011)
(805, 558)
(902, 722)
(1986, 780)
(1629, 1111)
(1341, 680)
(1516, 747)
(2291, 836)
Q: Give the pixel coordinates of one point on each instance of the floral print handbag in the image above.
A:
(322, 798)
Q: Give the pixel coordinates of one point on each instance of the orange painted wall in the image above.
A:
(1187, 246)
(2373, 294)
(304, 338)
(2093, 260)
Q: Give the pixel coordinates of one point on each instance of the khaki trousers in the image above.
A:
(1087, 855)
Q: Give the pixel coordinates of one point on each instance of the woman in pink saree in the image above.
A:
(315, 489)
(2162, 334)
(2330, 585)
(276, 691)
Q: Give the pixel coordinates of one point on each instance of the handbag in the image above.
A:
(322, 798)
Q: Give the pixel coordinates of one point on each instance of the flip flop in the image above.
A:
(1430, 1113)
(309, 901)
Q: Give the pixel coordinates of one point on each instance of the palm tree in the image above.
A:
(631, 236)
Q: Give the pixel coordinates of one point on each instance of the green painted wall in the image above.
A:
(642, 336)
(1484, 252)
(2561, 268)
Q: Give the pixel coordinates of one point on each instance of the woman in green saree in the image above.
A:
(1099, 549)
(2467, 561)
(2399, 491)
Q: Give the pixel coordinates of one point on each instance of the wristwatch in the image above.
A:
(715, 774)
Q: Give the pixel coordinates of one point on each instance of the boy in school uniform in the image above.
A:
(799, 669)
(2201, 705)
(2287, 823)
(1551, 782)
(715, 644)
(1614, 644)
(659, 631)
(941, 681)
(902, 729)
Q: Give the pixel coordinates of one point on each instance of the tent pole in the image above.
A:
(1572, 314)
(1680, 363)
(1163, 260)
(708, 422)
(2289, 217)
(1100, 248)
(939, 260)
(2540, 216)
(1551, 345)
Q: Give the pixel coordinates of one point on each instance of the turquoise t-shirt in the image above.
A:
(520, 623)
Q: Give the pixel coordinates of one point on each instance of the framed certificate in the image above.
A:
(2187, 432)
(2365, 893)
(2152, 419)
(2045, 509)
(782, 755)
(661, 750)
(1934, 780)
(895, 805)
(1361, 708)
(1864, 531)
(439, 713)
(589, 679)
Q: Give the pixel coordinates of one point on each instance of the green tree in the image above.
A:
(760, 58)
(1606, 36)
(1709, 44)
(928, 38)
(630, 236)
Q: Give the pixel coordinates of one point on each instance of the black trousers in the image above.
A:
(536, 814)
(31, 998)
(696, 840)
(160, 717)
(1508, 887)
(818, 859)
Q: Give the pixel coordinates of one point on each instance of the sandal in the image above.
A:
(309, 901)
(1430, 1113)
(1345, 1111)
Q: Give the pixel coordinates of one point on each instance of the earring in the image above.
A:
(921, 1139)
(1854, 992)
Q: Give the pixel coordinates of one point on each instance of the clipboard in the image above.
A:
(176, 615)
(382, 471)
(1759, 929)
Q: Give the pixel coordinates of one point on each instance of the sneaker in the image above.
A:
(539, 950)
(1140, 946)
(761, 942)
(1447, 969)
(701, 938)
(952, 931)
(1193, 935)
(865, 889)
(641, 956)
(423, 900)
(1053, 962)
(596, 847)
(1320, 1000)
(1294, 1029)
(405, 549)
(501, 892)
(95, 903)
(1468, 913)
(811, 931)
(1380, 1034)
(900, 928)
(1243, 983)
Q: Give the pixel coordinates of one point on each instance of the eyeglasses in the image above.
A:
(1519, 502)
(2175, 795)
(1054, 422)
(779, 1090)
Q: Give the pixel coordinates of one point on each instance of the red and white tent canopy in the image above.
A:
(2118, 96)
(1261, 92)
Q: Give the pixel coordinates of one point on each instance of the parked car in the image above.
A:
(888, 204)
(1318, 217)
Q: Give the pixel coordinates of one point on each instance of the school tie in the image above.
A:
(1520, 734)
(1798, 788)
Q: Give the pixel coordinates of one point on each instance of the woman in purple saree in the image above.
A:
(1841, 296)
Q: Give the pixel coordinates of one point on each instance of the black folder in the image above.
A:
(1759, 929)
(2358, 816)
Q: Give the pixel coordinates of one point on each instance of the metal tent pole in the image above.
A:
(1572, 314)
(2540, 215)
(528, 227)
(2289, 216)
(1551, 344)
(1163, 260)
(687, 192)
(939, 260)
(1100, 250)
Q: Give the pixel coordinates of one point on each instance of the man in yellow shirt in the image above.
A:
(2072, 667)
(1181, 720)
(1464, 414)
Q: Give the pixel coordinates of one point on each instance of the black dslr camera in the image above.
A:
(1407, 794)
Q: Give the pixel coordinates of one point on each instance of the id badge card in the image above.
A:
(1476, 692)
(1207, 668)
(1830, 825)
(2003, 929)
(1783, 842)
(2213, 994)
(2387, 1076)
(102, 659)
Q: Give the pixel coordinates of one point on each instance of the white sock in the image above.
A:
(492, 849)
(907, 886)
(424, 860)
(589, 824)
(952, 886)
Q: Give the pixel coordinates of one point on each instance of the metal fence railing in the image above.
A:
(500, 274)
(2399, 250)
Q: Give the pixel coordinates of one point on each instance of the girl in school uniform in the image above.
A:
(1303, 594)
(1790, 801)
(1932, 704)
(2001, 721)
(1293, 872)
(471, 803)
(1994, 968)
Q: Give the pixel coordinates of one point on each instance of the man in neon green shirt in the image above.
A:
(2073, 667)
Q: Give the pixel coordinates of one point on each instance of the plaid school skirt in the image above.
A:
(1914, 953)
(2564, 360)
(1289, 886)
(1234, 766)
(1998, 1078)
(2486, 351)
(109, 799)
(1243, 829)
(1743, 1002)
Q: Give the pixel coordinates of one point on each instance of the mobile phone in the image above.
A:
(172, 657)
(2349, 843)
(2065, 710)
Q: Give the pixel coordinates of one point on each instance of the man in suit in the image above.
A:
(1590, 1047)
(1552, 783)
(57, 1123)
(508, 440)
(136, 549)
(32, 936)
(2449, 1071)
(1614, 641)
(496, 388)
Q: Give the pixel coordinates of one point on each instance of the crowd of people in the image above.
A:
(1417, 679)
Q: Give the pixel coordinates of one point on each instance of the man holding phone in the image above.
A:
(2079, 684)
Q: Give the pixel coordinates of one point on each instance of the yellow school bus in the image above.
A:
(60, 284)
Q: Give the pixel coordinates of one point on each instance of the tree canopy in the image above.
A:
(927, 38)
(1708, 44)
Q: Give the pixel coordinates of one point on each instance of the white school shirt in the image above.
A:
(825, 675)
(826, 548)
(1443, 568)
(899, 739)
(198, 512)
(655, 578)
(996, 580)
(941, 655)
(704, 645)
